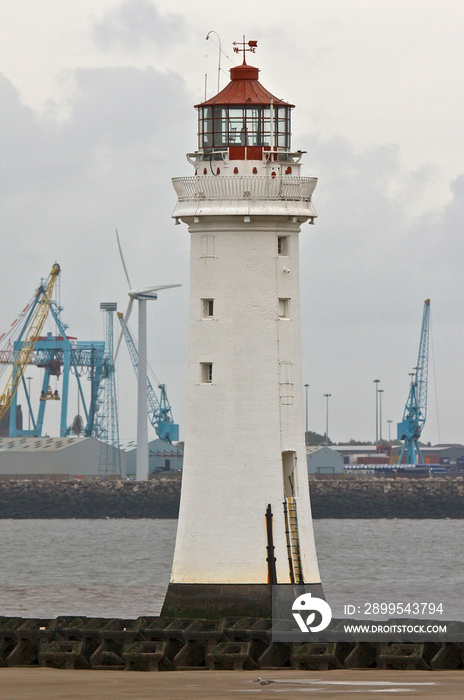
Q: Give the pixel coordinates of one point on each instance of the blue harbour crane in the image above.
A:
(60, 356)
(415, 411)
(159, 409)
(63, 356)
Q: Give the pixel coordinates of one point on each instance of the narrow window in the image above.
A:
(282, 245)
(207, 247)
(284, 308)
(206, 372)
(286, 383)
(207, 308)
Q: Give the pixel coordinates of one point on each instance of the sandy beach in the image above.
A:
(52, 684)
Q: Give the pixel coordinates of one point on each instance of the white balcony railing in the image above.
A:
(238, 187)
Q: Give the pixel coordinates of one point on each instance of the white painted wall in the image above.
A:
(238, 426)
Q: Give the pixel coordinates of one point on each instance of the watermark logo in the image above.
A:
(306, 603)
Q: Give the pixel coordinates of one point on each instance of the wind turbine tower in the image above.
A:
(245, 519)
(110, 458)
(141, 296)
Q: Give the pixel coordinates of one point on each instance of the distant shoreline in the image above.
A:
(159, 498)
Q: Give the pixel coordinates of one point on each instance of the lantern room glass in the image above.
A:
(222, 126)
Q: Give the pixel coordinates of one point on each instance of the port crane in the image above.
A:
(415, 410)
(30, 333)
(59, 356)
(159, 409)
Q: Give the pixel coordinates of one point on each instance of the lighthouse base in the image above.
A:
(214, 601)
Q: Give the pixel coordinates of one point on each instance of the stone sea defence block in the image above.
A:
(159, 498)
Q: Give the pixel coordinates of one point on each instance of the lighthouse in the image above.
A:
(245, 518)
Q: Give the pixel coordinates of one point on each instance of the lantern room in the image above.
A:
(245, 120)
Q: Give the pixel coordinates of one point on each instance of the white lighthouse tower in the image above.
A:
(245, 518)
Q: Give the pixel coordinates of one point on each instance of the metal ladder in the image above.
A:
(294, 539)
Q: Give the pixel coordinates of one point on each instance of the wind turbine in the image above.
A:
(140, 295)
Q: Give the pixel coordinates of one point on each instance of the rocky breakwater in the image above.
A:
(95, 498)
(159, 498)
(388, 498)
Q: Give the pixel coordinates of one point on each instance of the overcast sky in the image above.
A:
(96, 117)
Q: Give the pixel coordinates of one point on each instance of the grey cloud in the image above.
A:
(360, 237)
(366, 267)
(109, 164)
(135, 24)
(65, 187)
(115, 111)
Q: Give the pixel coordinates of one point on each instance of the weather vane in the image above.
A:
(244, 46)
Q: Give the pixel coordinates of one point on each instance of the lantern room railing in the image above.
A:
(229, 187)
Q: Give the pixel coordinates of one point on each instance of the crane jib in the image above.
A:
(415, 410)
(159, 409)
(32, 330)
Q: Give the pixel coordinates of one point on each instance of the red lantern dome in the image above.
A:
(244, 118)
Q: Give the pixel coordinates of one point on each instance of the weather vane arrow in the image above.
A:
(245, 46)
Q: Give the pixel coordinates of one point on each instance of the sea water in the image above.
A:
(121, 568)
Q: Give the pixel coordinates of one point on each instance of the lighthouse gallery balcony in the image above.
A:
(286, 188)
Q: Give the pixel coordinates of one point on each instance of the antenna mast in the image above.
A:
(219, 59)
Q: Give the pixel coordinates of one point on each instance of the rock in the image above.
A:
(159, 498)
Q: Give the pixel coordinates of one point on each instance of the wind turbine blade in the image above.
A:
(122, 260)
(126, 321)
(147, 290)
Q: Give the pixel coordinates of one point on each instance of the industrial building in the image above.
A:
(444, 454)
(350, 453)
(324, 460)
(439, 454)
(57, 458)
(163, 456)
